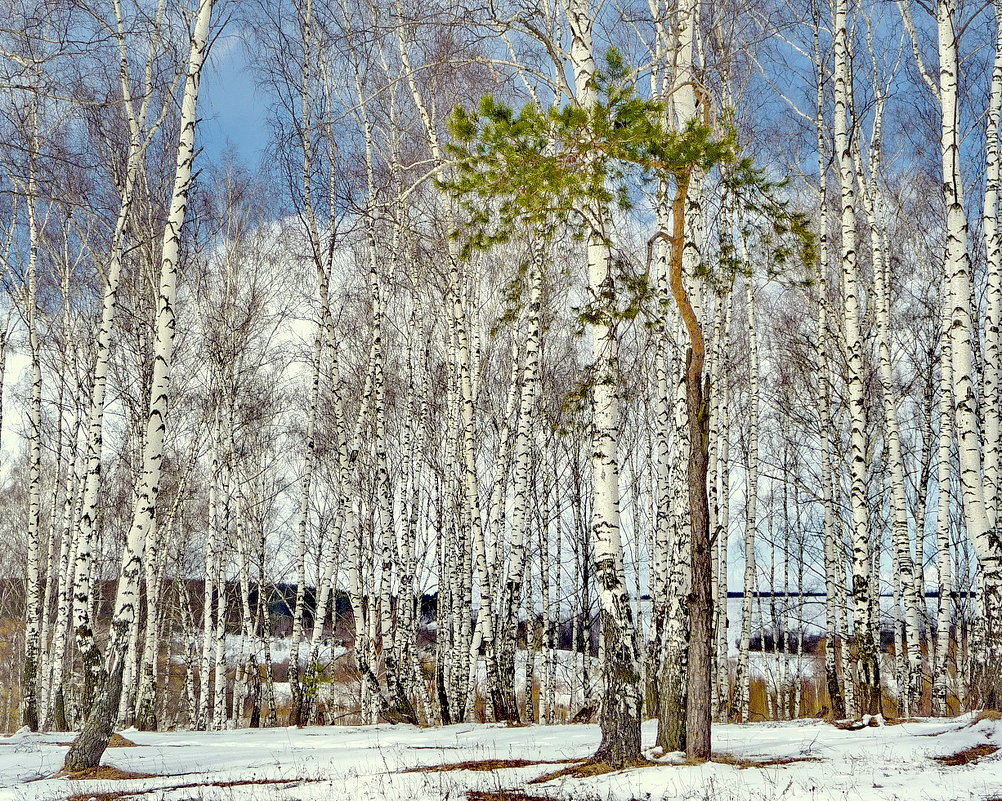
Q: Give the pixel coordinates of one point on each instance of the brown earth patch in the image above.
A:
(987, 714)
(584, 769)
(116, 741)
(106, 773)
(488, 765)
(968, 755)
(99, 796)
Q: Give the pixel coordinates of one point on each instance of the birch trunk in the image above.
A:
(521, 488)
(867, 658)
(743, 678)
(944, 554)
(991, 396)
(89, 746)
(85, 536)
(911, 692)
(620, 708)
(978, 515)
(33, 601)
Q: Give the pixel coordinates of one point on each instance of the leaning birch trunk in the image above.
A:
(85, 534)
(978, 517)
(90, 744)
(619, 713)
(867, 658)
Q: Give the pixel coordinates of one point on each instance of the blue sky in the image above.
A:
(232, 108)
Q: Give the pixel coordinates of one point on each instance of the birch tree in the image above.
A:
(863, 612)
(89, 746)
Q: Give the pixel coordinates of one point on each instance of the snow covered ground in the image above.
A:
(368, 764)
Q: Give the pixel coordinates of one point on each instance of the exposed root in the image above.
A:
(968, 755)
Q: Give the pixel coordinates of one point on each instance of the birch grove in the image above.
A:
(544, 362)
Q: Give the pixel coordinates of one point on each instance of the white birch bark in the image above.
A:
(991, 391)
(460, 324)
(90, 744)
(944, 553)
(743, 677)
(863, 613)
(836, 650)
(978, 515)
(911, 691)
(85, 543)
(33, 601)
(619, 714)
(521, 483)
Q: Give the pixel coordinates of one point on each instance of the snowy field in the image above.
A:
(372, 764)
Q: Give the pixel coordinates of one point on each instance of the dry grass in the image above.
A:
(117, 794)
(484, 765)
(968, 755)
(106, 773)
(504, 795)
(116, 741)
(752, 762)
(583, 769)
(988, 714)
